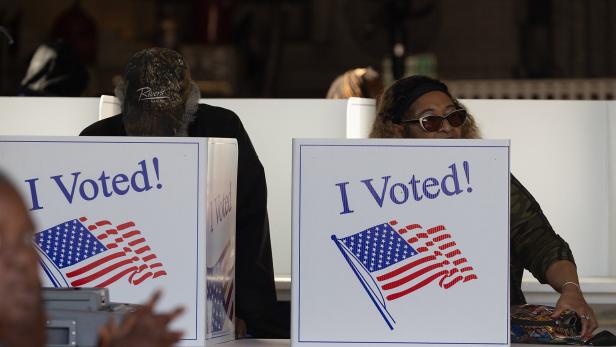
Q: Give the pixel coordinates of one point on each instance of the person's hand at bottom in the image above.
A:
(571, 298)
(142, 328)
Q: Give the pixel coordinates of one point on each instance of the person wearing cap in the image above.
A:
(422, 107)
(159, 98)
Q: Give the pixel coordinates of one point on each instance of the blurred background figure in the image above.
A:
(76, 27)
(361, 83)
(537, 49)
(55, 70)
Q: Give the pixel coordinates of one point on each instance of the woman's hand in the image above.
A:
(571, 298)
(562, 276)
(240, 328)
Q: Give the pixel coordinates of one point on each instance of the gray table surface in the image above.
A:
(287, 343)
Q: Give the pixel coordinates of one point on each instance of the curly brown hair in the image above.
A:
(360, 82)
(395, 101)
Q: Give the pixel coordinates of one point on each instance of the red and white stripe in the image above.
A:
(228, 270)
(128, 255)
(438, 258)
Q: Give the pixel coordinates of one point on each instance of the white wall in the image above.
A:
(559, 151)
(611, 159)
(46, 116)
(563, 151)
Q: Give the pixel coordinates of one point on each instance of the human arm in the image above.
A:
(562, 276)
(536, 247)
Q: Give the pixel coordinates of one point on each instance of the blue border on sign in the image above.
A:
(299, 260)
(197, 210)
(509, 244)
(199, 178)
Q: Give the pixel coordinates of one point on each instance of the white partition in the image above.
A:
(359, 109)
(110, 204)
(272, 124)
(368, 268)
(563, 151)
(611, 158)
(46, 116)
(559, 151)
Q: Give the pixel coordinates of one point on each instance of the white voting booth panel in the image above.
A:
(562, 151)
(134, 215)
(46, 116)
(271, 124)
(358, 111)
(555, 143)
(385, 248)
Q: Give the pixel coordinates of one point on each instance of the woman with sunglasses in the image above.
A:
(422, 107)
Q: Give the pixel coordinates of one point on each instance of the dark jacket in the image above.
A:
(534, 244)
(255, 291)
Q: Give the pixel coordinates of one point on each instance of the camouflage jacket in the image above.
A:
(534, 244)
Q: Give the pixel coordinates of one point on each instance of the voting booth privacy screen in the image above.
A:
(400, 242)
(134, 215)
(545, 162)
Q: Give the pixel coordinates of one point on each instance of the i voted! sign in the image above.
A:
(76, 186)
(79, 252)
(400, 242)
(133, 215)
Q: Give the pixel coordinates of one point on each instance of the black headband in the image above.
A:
(407, 90)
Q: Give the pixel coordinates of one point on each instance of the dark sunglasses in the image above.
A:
(432, 123)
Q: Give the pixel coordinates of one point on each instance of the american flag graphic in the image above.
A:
(78, 253)
(221, 291)
(401, 261)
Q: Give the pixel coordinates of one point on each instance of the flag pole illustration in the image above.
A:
(400, 262)
(380, 305)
